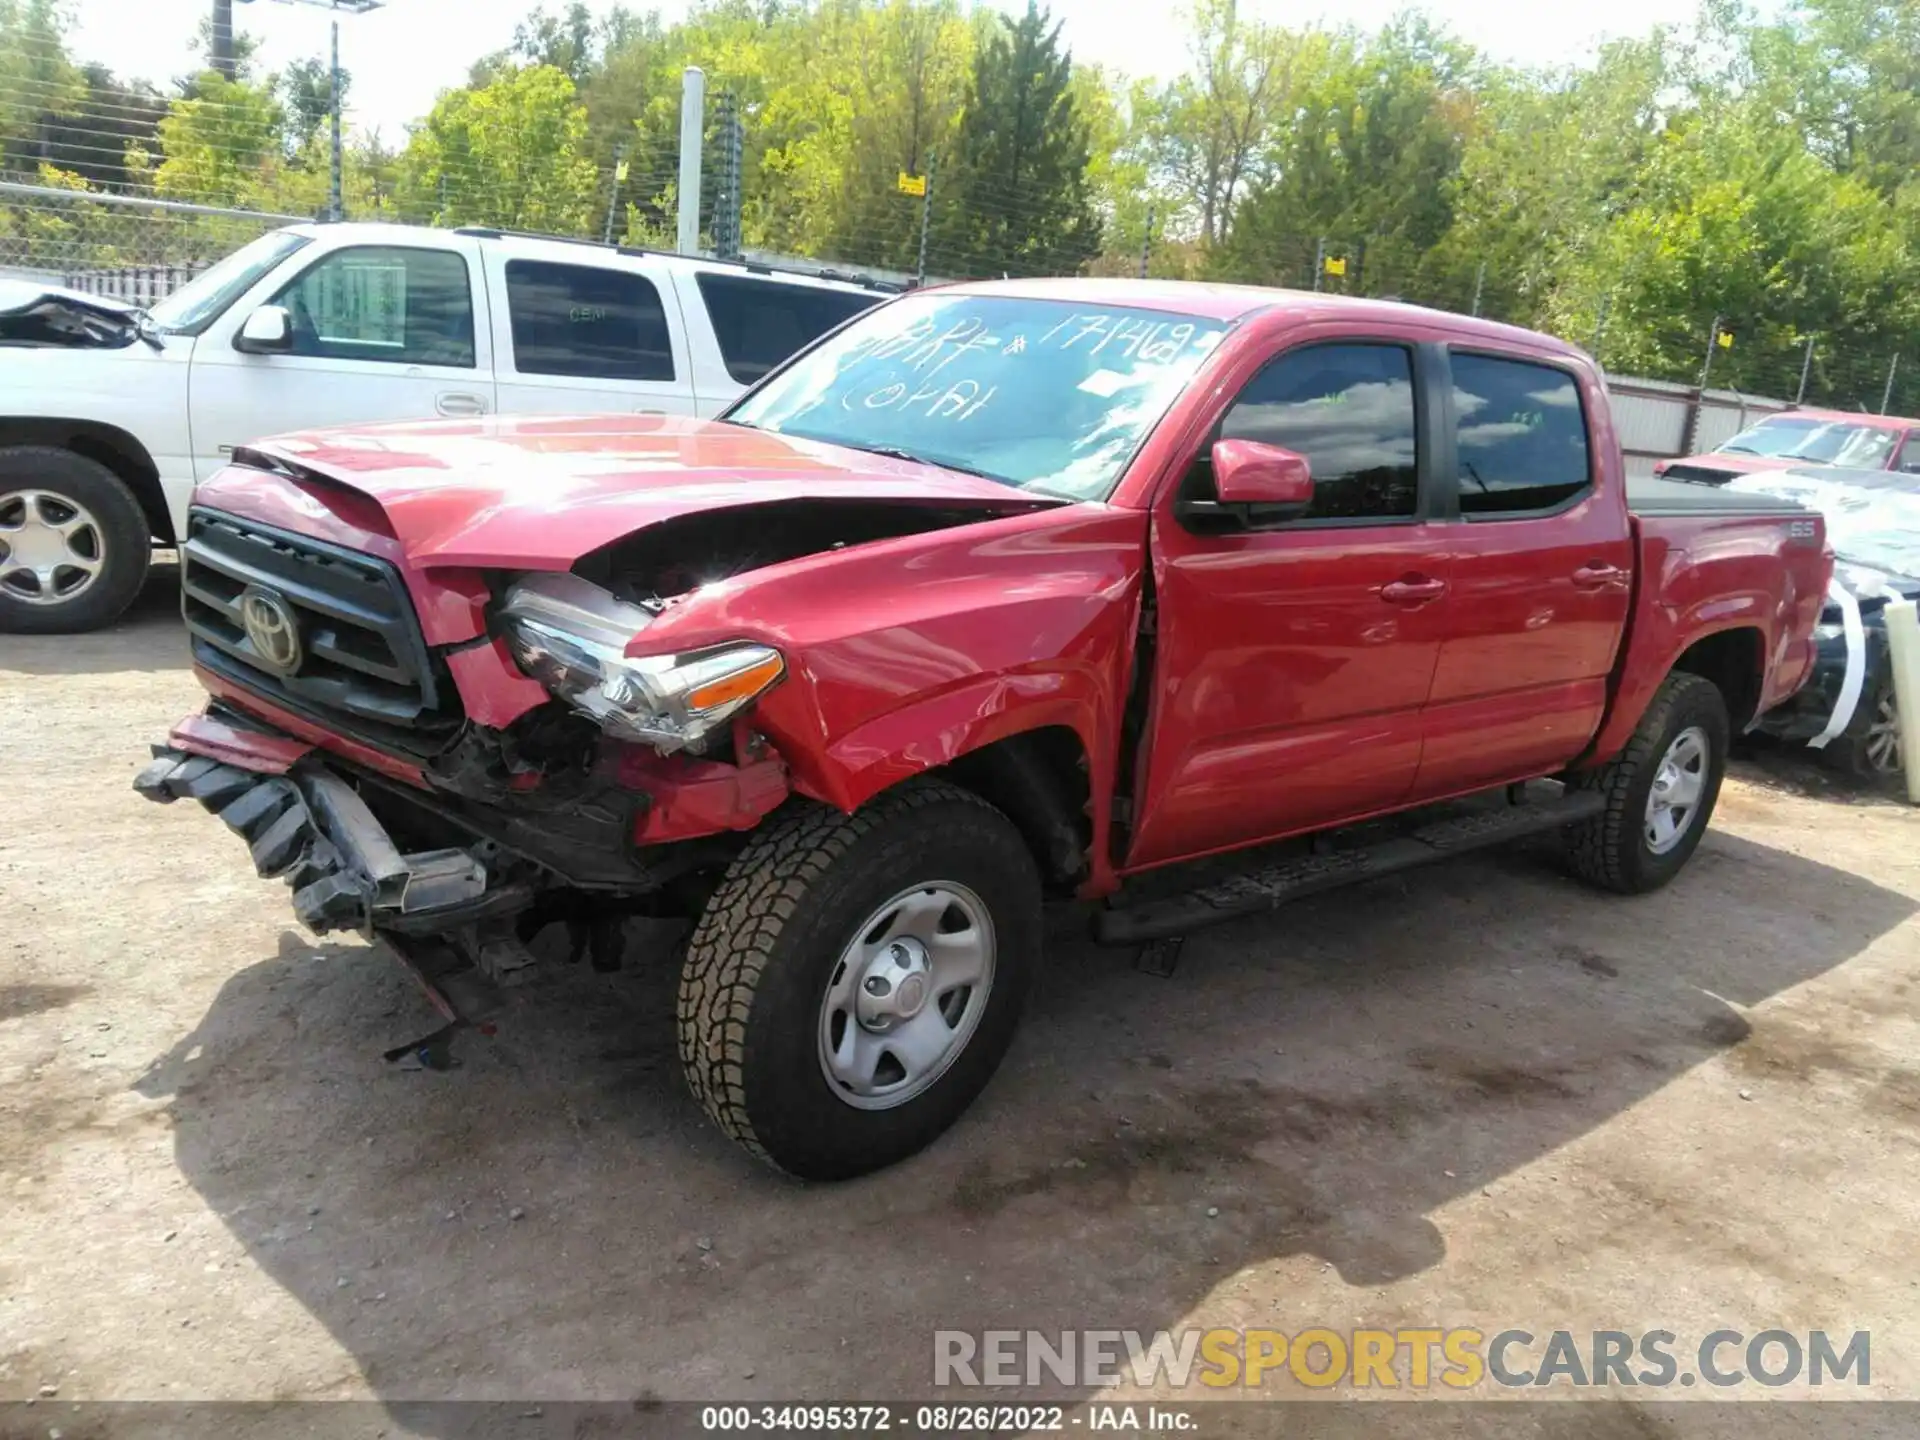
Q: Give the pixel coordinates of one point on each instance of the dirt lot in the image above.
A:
(1481, 1095)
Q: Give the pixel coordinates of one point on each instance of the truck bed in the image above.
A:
(1666, 498)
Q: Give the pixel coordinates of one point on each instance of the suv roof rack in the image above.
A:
(752, 267)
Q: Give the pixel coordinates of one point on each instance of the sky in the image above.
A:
(403, 55)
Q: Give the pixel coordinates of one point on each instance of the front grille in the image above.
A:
(366, 670)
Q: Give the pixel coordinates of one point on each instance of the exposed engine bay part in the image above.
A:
(51, 315)
(679, 555)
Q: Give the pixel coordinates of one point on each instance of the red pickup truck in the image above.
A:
(998, 594)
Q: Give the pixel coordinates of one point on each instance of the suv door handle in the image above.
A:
(1594, 576)
(459, 402)
(1413, 590)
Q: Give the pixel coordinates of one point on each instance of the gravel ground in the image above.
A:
(1477, 1095)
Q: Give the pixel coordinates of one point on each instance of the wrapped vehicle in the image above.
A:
(998, 595)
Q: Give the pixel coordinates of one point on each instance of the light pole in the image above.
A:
(336, 205)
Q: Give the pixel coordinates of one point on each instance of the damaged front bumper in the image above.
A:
(312, 828)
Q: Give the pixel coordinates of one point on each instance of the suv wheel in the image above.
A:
(1660, 791)
(855, 981)
(74, 545)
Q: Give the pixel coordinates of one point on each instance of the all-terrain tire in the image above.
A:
(1612, 849)
(117, 533)
(769, 944)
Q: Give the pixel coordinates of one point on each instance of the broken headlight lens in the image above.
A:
(571, 636)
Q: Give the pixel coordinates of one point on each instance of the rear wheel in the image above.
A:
(1660, 791)
(855, 981)
(74, 545)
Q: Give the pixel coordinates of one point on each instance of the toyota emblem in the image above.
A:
(272, 629)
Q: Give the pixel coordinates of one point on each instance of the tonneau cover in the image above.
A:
(1675, 497)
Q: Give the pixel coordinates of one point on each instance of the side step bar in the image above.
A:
(1269, 889)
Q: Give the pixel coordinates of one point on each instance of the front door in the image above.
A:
(380, 332)
(1293, 656)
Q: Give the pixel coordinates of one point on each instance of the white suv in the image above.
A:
(108, 418)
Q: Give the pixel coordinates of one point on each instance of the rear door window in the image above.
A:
(1520, 434)
(587, 321)
(759, 323)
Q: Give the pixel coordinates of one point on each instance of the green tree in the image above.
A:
(510, 153)
(36, 78)
(307, 86)
(222, 144)
(1017, 192)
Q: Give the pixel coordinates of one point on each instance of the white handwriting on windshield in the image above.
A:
(936, 400)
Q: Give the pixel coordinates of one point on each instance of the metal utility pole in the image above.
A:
(1600, 325)
(1806, 369)
(336, 206)
(1713, 343)
(926, 224)
(336, 203)
(1479, 285)
(727, 230)
(1146, 244)
(1886, 396)
(613, 194)
(220, 56)
(693, 134)
(1319, 259)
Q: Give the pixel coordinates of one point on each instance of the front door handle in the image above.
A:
(1596, 575)
(459, 402)
(1413, 590)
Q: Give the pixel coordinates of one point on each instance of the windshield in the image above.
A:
(196, 305)
(1042, 394)
(1828, 442)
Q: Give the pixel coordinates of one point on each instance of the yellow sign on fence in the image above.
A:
(912, 184)
(1336, 264)
(1725, 337)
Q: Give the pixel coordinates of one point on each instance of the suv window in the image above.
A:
(584, 320)
(759, 323)
(1910, 453)
(383, 302)
(1521, 433)
(1349, 410)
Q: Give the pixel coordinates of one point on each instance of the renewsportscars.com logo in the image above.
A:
(1405, 1358)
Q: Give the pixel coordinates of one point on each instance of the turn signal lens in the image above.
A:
(741, 685)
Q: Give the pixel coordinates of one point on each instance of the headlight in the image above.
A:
(570, 635)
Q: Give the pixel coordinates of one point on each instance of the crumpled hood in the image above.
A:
(35, 314)
(537, 493)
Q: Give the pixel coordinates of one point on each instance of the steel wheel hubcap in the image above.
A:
(906, 995)
(50, 547)
(1883, 736)
(1678, 784)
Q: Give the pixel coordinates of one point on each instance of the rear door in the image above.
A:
(741, 325)
(1542, 574)
(380, 332)
(1293, 656)
(583, 330)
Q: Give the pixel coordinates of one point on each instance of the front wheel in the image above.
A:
(1660, 791)
(855, 981)
(74, 545)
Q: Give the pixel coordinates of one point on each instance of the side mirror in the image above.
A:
(1248, 472)
(267, 331)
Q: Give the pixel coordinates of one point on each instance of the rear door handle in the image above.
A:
(459, 402)
(1593, 577)
(1413, 590)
